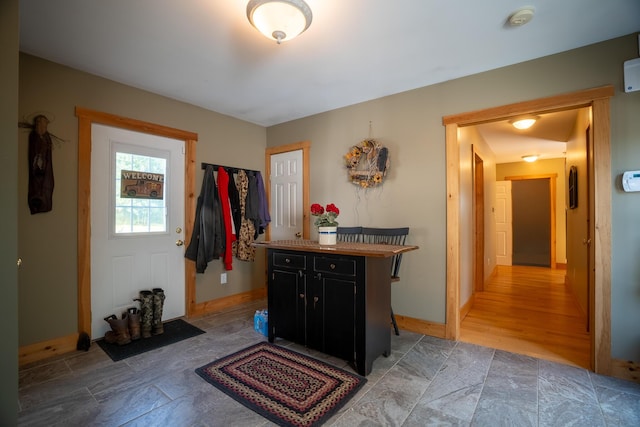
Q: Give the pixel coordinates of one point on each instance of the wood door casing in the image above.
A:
(86, 118)
(286, 177)
(479, 226)
(600, 311)
(305, 146)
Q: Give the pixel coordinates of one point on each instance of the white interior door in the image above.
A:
(286, 195)
(504, 231)
(137, 217)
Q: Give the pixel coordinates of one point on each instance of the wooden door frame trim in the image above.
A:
(552, 177)
(599, 101)
(305, 146)
(86, 118)
(478, 226)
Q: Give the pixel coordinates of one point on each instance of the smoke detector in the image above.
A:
(521, 16)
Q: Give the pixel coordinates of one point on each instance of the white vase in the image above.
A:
(327, 235)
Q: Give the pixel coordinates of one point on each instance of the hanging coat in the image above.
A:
(245, 251)
(252, 208)
(234, 199)
(205, 239)
(263, 207)
(41, 182)
(219, 234)
(223, 188)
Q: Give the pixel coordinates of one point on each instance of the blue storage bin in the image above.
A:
(260, 322)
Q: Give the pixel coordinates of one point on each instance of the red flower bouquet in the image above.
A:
(325, 217)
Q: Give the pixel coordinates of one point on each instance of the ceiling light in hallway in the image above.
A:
(524, 122)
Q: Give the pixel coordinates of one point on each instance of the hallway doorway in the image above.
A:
(598, 100)
(537, 193)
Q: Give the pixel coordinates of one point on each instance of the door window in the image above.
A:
(140, 194)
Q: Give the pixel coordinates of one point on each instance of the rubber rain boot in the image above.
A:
(158, 304)
(146, 313)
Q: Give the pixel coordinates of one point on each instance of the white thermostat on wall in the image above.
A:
(631, 181)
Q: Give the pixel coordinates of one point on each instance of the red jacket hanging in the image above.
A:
(223, 191)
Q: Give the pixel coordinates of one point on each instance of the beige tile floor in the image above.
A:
(425, 381)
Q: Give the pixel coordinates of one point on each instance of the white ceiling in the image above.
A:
(205, 52)
(547, 138)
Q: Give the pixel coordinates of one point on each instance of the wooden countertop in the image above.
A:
(342, 248)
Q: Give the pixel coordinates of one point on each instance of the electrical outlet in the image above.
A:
(223, 278)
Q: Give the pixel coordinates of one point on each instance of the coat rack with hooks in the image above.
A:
(229, 169)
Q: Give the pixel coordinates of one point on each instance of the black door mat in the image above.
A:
(174, 331)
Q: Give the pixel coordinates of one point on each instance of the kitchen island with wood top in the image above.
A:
(334, 298)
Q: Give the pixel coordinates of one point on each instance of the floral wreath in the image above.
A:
(367, 163)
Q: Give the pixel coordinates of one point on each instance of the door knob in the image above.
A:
(179, 242)
(298, 234)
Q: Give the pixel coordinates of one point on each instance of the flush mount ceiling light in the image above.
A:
(521, 16)
(524, 122)
(279, 20)
(530, 158)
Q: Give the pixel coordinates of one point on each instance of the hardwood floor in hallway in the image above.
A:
(529, 310)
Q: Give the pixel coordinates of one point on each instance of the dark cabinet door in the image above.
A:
(286, 296)
(286, 305)
(331, 306)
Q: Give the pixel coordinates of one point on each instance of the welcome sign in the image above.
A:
(141, 185)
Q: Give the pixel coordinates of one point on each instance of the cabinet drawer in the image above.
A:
(289, 260)
(346, 267)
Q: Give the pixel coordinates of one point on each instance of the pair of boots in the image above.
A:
(136, 323)
(123, 330)
(151, 305)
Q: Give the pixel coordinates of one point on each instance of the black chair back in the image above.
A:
(350, 234)
(387, 236)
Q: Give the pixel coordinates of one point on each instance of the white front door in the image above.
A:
(137, 221)
(504, 223)
(286, 195)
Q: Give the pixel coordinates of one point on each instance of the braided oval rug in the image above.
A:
(288, 388)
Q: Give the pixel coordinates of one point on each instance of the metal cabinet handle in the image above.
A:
(287, 260)
(315, 300)
(332, 266)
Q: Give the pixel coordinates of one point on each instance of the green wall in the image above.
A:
(410, 125)
(47, 241)
(9, 37)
